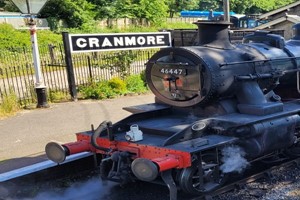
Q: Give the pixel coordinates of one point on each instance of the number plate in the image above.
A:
(173, 71)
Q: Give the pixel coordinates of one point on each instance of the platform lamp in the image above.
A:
(31, 8)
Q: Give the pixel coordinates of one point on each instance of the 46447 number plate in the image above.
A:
(173, 71)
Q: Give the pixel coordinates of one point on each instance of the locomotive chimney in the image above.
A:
(214, 34)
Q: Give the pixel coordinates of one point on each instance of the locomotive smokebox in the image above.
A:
(214, 34)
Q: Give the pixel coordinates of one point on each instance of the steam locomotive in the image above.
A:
(218, 108)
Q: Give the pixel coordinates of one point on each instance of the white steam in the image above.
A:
(90, 190)
(93, 189)
(233, 159)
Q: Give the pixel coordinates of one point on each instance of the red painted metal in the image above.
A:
(181, 158)
(78, 147)
(165, 163)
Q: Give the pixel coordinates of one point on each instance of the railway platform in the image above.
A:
(24, 136)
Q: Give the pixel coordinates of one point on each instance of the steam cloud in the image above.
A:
(93, 189)
(233, 159)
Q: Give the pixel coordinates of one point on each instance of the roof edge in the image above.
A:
(279, 10)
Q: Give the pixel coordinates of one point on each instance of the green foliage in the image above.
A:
(244, 7)
(74, 12)
(135, 84)
(97, 90)
(126, 8)
(31, 88)
(134, 29)
(83, 13)
(46, 37)
(281, 3)
(143, 77)
(260, 6)
(104, 8)
(10, 37)
(154, 11)
(117, 85)
(175, 6)
(119, 62)
(113, 88)
(58, 96)
(211, 5)
(8, 5)
(240, 6)
(2, 4)
(9, 105)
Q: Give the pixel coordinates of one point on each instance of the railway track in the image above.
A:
(261, 170)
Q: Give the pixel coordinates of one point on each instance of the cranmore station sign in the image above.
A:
(81, 43)
(118, 41)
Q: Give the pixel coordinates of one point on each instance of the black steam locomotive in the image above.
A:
(219, 107)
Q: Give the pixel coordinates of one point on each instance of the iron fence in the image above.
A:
(17, 70)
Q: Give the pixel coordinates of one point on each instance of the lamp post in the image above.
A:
(31, 8)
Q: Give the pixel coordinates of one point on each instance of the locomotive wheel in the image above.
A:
(199, 182)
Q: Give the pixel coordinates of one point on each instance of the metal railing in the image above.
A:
(17, 70)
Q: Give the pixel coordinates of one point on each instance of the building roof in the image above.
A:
(292, 18)
(282, 9)
(10, 14)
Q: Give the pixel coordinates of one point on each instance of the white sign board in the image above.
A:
(118, 41)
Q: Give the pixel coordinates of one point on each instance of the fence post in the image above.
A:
(69, 66)
(90, 68)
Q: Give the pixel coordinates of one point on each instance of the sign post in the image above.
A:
(69, 65)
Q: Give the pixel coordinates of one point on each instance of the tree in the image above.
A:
(74, 12)
(104, 8)
(239, 6)
(262, 6)
(175, 6)
(153, 10)
(126, 8)
(281, 3)
(2, 4)
(81, 12)
(8, 6)
(211, 5)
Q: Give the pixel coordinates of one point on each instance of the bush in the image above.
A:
(58, 96)
(112, 88)
(143, 77)
(118, 86)
(9, 105)
(12, 38)
(134, 83)
(97, 90)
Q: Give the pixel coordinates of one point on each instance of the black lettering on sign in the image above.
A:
(123, 41)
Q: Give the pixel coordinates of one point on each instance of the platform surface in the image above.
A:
(25, 135)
